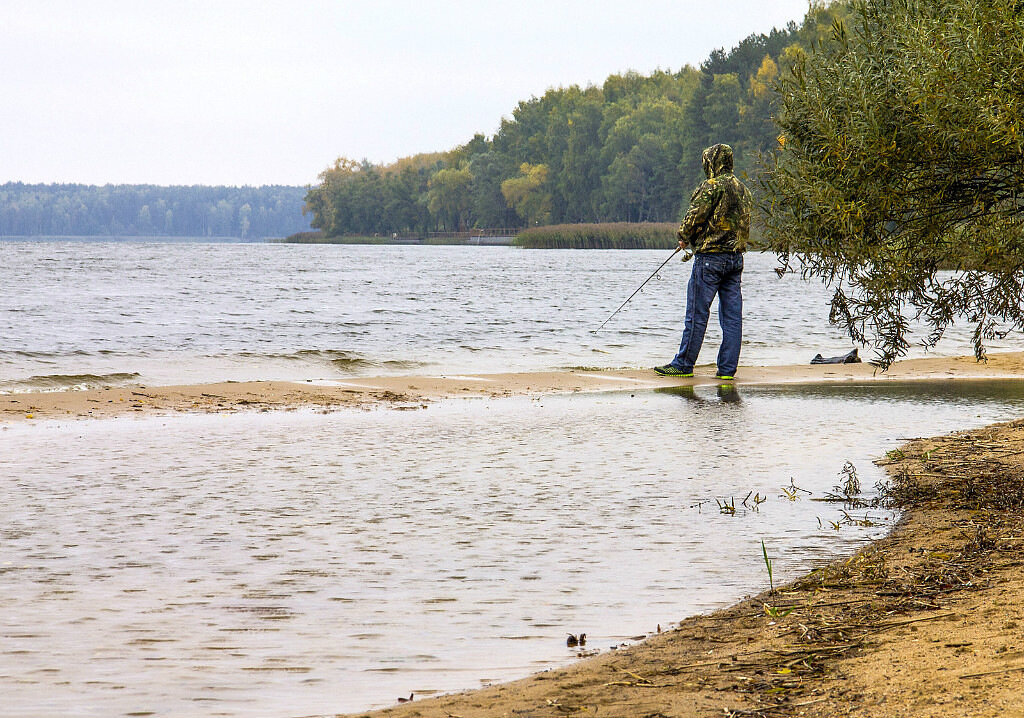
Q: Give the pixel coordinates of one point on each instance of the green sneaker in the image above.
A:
(669, 370)
(726, 377)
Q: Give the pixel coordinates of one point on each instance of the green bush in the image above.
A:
(900, 156)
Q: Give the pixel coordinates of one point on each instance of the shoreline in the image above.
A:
(411, 392)
(924, 622)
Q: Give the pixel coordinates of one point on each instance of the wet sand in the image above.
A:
(926, 622)
(410, 392)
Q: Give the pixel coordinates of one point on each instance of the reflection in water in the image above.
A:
(292, 564)
(726, 393)
(929, 392)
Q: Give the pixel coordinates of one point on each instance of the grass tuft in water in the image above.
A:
(768, 565)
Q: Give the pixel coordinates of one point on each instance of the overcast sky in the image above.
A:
(271, 91)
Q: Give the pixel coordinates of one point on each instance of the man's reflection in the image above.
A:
(727, 393)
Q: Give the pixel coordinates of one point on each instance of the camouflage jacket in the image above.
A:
(719, 216)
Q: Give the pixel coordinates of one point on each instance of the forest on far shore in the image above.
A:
(625, 151)
(151, 211)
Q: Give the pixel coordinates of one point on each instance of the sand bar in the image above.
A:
(408, 392)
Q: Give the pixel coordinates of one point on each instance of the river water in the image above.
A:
(94, 313)
(298, 563)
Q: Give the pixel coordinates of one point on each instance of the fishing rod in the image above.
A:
(662, 266)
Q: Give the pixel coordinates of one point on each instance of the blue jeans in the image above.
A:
(713, 273)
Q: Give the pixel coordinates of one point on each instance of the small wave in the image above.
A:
(64, 382)
(351, 363)
(359, 364)
(343, 361)
(23, 354)
(399, 364)
(306, 355)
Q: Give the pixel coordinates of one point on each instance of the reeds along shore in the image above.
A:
(615, 235)
(610, 235)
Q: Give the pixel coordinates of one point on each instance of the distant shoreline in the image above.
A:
(183, 239)
(460, 239)
(141, 210)
(581, 235)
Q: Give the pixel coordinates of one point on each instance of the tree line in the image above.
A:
(151, 210)
(626, 151)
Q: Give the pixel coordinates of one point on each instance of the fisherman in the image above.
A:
(716, 229)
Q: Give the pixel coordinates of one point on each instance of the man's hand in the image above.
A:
(687, 254)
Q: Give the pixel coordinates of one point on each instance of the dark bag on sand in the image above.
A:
(850, 358)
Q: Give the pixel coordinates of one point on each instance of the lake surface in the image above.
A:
(298, 564)
(89, 314)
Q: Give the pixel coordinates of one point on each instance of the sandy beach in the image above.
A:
(411, 392)
(926, 622)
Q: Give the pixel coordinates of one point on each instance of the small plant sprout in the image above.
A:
(850, 487)
(792, 492)
(848, 491)
(768, 565)
(855, 521)
(883, 497)
(727, 507)
(776, 612)
(753, 500)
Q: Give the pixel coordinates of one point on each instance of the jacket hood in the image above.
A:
(717, 160)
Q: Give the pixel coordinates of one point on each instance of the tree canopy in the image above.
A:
(627, 150)
(899, 176)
